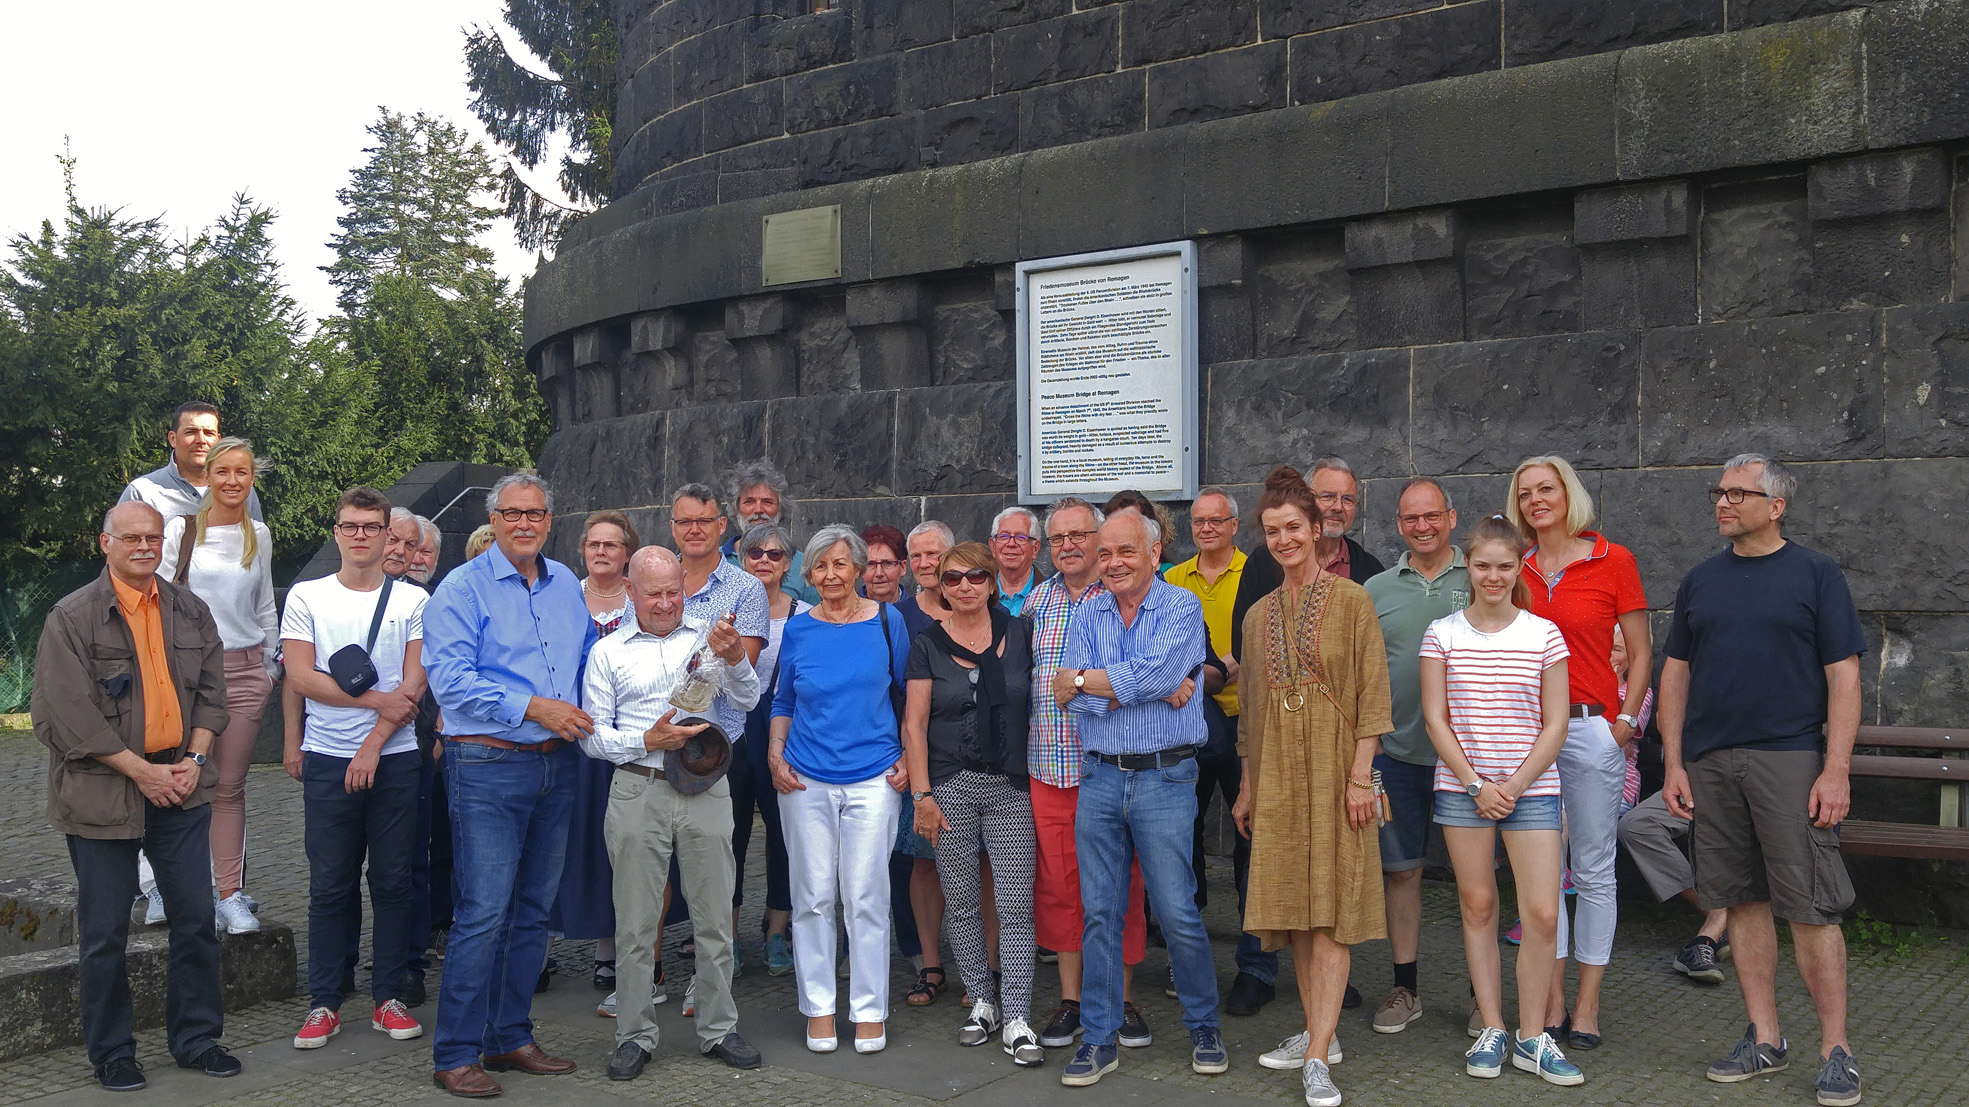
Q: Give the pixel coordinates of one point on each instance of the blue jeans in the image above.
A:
(342, 828)
(509, 816)
(1146, 816)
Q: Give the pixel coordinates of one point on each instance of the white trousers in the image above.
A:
(838, 839)
(1591, 772)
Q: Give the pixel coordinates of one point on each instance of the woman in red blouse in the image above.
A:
(1588, 586)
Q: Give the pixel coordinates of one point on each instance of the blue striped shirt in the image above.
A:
(491, 644)
(1145, 663)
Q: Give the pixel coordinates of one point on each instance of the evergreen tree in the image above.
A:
(524, 109)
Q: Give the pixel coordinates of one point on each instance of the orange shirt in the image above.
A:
(164, 725)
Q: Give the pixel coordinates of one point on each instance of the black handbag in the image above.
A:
(351, 666)
(896, 698)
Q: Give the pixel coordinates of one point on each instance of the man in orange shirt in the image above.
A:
(129, 690)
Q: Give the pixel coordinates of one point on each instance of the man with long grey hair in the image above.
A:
(756, 493)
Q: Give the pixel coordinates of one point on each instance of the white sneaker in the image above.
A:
(1291, 1053)
(606, 1008)
(154, 913)
(1022, 1044)
(234, 917)
(690, 998)
(979, 1028)
(1320, 1091)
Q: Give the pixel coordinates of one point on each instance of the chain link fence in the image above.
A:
(26, 594)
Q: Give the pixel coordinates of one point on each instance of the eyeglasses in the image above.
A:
(599, 546)
(515, 514)
(707, 523)
(366, 530)
(953, 577)
(1328, 499)
(1077, 537)
(759, 553)
(1734, 495)
(1008, 536)
(1212, 524)
(884, 564)
(139, 539)
(1427, 518)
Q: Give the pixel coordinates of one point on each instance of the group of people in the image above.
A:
(1015, 760)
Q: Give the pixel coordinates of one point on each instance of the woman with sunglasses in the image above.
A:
(766, 551)
(964, 738)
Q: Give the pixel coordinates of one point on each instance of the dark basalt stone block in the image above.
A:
(1291, 410)
(841, 94)
(706, 441)
(1391, 53)
(970, 342)
(945, 73)
(744, 115)
(1281, 18)
(1214, 86)
(834, 447)
(1631, 212)
(1756, 251)
(779, 47)
(976, 17)
(1925, 363)
(1055, 50)
(970, 131)
(959, 438)
(1305, 297)
(1158, 30)
(1521, 286)
(1484, 406)
(1078, 111)
(1546, 30)
(611, 463)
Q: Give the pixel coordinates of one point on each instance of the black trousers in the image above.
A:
(179, 843)
(1222, 775)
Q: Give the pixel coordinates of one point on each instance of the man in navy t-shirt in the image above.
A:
(1760, 704)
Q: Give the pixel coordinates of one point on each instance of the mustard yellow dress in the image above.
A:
(1314, 679)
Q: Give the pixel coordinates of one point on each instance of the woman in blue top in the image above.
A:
(836, 758)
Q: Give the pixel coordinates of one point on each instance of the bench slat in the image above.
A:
(1932, 843)
(1914, 738)
(1909, 768)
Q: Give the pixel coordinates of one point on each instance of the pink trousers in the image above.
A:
(247, 692)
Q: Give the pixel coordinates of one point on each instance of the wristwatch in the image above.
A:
(1474, 787)
(1629, 720)
(1080, 679)
(919, 797)
(195, 758)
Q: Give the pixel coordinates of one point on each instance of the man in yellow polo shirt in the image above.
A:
(1213, 574)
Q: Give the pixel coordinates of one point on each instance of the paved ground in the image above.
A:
(1910, 1033)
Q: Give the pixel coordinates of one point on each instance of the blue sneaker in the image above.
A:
(1207, 1053)
(1541, 1055)
(1486, 1058)
(779, 955)
(1838, 1082)
(1090, 1063)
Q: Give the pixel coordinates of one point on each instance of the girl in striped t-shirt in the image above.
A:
(1494, 699)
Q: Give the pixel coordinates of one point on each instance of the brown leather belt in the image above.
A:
(1586, 710)
(549, 746)
(640, 770)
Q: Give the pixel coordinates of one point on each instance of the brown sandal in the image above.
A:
(926, 991)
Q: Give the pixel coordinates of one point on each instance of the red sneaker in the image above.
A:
(321, 1025)
(394, 1019)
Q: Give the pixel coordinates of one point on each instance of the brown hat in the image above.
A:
(703, 758)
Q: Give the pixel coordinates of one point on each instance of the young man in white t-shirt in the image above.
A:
(358, 763)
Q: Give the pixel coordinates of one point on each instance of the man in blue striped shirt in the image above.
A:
(1129, 677)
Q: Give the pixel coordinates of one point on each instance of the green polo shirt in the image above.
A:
(1406, 603)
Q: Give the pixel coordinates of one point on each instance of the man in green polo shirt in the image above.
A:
(1428, 583)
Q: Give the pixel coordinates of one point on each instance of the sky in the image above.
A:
(172, 107)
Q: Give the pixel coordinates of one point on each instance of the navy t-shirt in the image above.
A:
(1757, 634)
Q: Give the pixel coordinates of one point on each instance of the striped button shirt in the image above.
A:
(1053, 744)
(1144, 662)
(730, 589)
(631, 674)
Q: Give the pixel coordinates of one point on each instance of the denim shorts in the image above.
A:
(1531, 813)
(1405, 837)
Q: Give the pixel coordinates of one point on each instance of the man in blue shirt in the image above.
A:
(506, 640)
(1129, 677)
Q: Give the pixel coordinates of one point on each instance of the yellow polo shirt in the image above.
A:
(1217, 601)
(164, 725)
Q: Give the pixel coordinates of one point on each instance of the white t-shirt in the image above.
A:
(331, 615)
(241, 598)
(1494, 705)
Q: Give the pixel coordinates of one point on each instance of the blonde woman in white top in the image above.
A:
(230, 567)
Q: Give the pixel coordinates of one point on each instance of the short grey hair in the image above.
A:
(931, 526)
(831, 535)
(1032, 521)
(1069, 503)
(1339, 463)
(427, 531)
(521, 479)
(752, 474)
(696, 490)
(1776, 480)
(1214, 490)
(404, 515)
(1449, 503)
(1151, 530)
(763, 532)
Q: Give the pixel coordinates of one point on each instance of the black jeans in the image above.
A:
(1224, 775)
(342, 828)
(179, 843)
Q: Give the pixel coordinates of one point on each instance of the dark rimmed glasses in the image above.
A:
(1734, 495)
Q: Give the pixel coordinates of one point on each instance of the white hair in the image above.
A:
(931, 526)
(521, 479)
(831, 535)
(1032, 521)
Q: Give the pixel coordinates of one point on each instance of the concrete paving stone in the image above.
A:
(1660, 1030)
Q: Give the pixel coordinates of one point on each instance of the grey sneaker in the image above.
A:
(1697, 961)
(1838, 1082)
(1320, 1090)
(1749, 1058)
(1397, 1011)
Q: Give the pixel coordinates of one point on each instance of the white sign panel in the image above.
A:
(1107, 373)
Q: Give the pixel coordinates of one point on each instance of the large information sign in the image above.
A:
(1108, 373)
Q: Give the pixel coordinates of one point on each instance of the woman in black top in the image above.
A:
(964, 740)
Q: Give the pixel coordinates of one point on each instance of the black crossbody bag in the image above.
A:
(351, 666)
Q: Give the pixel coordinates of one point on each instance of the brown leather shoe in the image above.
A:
(528, 1058)
(467, 1082)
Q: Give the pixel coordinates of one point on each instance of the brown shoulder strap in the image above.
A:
(185, 547)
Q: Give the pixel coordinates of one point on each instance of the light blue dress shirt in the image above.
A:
(1145, 663)
(491, 644)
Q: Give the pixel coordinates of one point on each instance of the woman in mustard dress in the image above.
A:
(1313, 703)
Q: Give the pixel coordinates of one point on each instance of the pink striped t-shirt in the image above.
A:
(1494, 707)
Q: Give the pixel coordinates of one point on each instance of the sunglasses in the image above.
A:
(952, 577)
(758, 552)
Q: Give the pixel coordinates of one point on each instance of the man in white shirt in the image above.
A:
(358, 763)
(631, 676)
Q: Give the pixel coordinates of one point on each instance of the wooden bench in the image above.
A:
(1947, 839)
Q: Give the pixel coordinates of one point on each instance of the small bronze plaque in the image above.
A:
(802, 245)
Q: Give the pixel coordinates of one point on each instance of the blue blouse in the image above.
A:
(832, 685)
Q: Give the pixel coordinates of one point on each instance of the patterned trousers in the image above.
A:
(987, 805)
